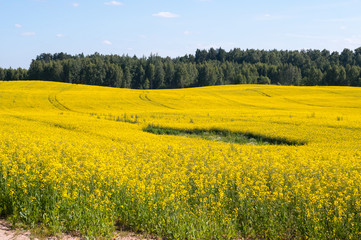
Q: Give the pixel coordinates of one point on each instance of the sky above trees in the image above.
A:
(172, 28)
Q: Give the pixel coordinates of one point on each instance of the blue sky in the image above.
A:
(172, 27)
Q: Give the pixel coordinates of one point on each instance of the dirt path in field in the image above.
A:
(6, 233)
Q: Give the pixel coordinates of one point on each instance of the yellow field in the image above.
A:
(75, 158)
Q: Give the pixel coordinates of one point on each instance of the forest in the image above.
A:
(204, 68)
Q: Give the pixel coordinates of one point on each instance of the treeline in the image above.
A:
(204, 68)
(13, 74)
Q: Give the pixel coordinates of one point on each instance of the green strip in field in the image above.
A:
(222, 135)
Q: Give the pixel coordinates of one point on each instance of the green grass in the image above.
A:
(222, 135)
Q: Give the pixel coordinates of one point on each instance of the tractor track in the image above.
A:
(144, 97)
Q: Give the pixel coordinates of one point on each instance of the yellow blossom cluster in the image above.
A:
(76, 158)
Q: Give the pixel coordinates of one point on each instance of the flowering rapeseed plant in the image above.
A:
(75, 158)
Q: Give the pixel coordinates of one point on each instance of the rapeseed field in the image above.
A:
(75, 158)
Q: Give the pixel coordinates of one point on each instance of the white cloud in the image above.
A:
(269, 17)
(18, 25)
(113, 3)
(107, 42)
(76, 4)
(28, 34)
(60, 35)
(165, 15)
(186, 32)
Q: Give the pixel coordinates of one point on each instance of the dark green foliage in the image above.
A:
(169, 72)
(127, 78)
(138, 80)
(13, 74)
(159, 74)
(289, 75)
(353, 75)
(313, 76)
(222, 135)
(180, 77)
(205, 68)
(206, 75)
(263, 80)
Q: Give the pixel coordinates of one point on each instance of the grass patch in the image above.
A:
(222, 135)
